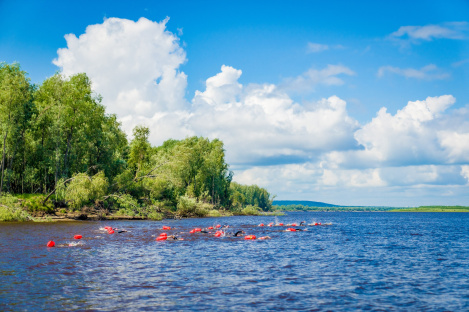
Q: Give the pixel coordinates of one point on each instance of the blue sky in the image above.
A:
(295, 89)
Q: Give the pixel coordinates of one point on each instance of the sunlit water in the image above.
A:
(363, 261)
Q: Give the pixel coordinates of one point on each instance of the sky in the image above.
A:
(345, 102)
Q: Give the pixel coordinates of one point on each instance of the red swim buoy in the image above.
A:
(271, 224)
(198, 229)
(163, 234)
(107, 227)
(217, 234)
(262, 224)
(51, 244)
(291, 230)
(165, 227)
(77, 237)
(110, 231)
(294, 224)
(281, 224)
(210, 228)
(218, 226)
(192, 231)
(160, 238)
(250, 237)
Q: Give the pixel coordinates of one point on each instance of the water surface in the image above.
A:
(363, 261)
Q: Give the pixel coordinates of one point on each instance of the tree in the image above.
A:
(15, 93)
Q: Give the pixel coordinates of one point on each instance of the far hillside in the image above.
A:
(306, 203)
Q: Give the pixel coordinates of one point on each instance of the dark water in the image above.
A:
(364, 261)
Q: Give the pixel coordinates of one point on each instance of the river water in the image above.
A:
(363, 261)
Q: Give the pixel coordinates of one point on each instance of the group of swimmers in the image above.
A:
(220, 231)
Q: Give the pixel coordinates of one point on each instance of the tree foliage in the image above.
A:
(57, 138)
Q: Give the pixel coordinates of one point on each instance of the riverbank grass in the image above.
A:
(10, 209)
(433, 209)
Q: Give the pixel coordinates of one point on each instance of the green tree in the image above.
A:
(15, 95)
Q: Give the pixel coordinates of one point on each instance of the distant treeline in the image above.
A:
(434, 209)
(57, 140)
(328, 208)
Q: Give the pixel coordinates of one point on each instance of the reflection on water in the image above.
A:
(363, 261)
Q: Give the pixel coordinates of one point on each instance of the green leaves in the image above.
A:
(58, 132)
(84, 189)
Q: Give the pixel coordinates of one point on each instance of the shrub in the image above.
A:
(155, 216)
(35, 205)
(10, 209)
(214, 213)
(84, 189)
(251, 211)
(186, 206)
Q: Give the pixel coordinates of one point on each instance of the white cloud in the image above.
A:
(319, 47)
(465, 172)
(312, 151)
(460, 63)
(452, 30)
(405, 137)
(309, 80)
(429, 72)
(262, 123)
(133, 65)
(316, 47)
(455, 144)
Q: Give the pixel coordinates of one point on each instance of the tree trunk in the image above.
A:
(66, 161)
(10, 165)
(3, 160)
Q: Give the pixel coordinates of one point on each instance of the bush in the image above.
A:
(84, 189)
(155, 216)
(10, 210)
(251, 211)
(35, 205)
(189, 207)
(214, 213)
(186, 206)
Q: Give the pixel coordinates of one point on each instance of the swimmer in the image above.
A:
(294, 230)
(173, 237)
(73, 244)
(238, 233)
(302, 223)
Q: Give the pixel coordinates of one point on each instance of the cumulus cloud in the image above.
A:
(311, 151)
(451, 30)
(262, 124)
(309, 80)
(429, 72)
(133, 65)
(408, 136)
(455, 144)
